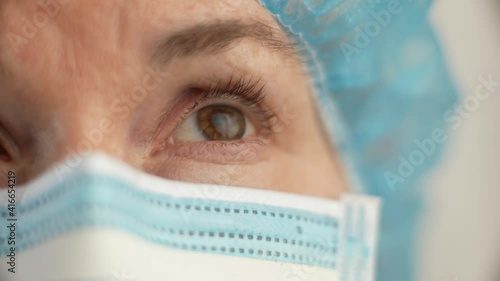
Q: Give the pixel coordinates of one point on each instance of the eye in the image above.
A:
(4, 154)
(214, 123)
(8, 150)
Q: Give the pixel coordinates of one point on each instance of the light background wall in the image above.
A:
(461, 234)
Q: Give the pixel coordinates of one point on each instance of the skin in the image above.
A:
(61, 84)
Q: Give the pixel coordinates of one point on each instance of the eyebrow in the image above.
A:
(220, 36)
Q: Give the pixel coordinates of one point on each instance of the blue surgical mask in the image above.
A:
(99, 219)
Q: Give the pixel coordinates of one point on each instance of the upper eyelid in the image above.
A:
(251, 92)
(263, 115)
(211, 89)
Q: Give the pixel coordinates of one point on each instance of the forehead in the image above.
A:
(31, 18)
(82, 47)
(83, 38)
(73, 11)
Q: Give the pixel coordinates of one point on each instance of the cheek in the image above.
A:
(307, 172)
(315, 176)
(251, 176)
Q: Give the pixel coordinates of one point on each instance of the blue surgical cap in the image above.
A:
(382, 87)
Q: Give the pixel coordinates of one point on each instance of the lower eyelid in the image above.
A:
(232, 152)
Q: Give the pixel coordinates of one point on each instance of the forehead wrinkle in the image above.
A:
(72, 54)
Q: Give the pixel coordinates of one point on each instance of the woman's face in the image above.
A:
(200, 91)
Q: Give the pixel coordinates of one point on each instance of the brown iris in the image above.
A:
(221, 123)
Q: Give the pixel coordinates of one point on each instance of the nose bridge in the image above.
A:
(97, 129)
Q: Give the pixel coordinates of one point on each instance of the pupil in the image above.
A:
(225, 124)
(221, 123)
